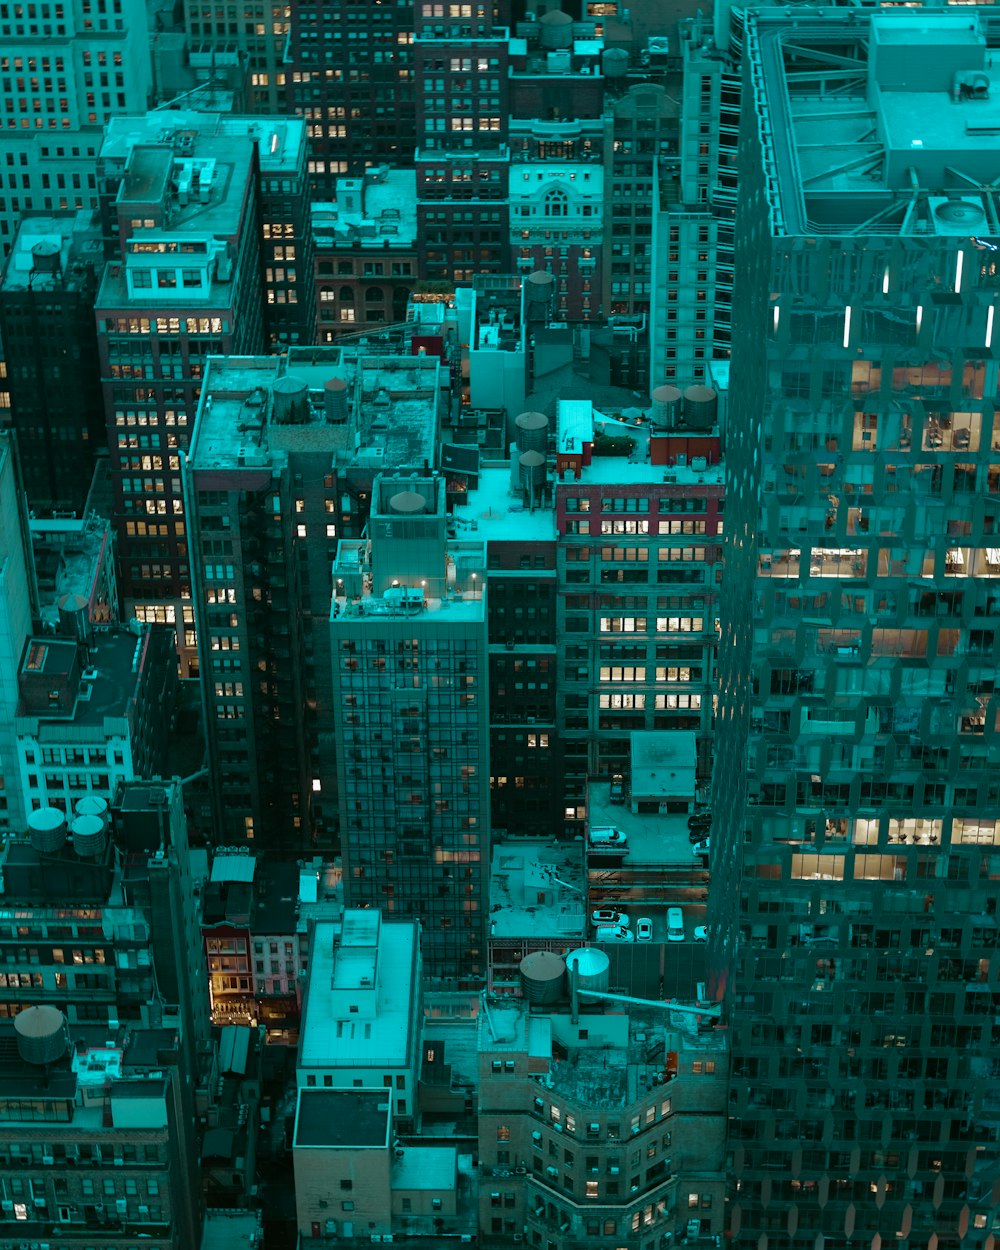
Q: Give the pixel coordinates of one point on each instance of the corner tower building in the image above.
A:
(857, 801)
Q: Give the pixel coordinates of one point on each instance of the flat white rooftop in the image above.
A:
(383, 1037)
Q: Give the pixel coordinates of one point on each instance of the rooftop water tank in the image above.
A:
(47, 829)
(701, 405)
(538, 288)
(42, 1035)
(92, 805)
(45, 256)
(531, 471)
(407, 502)
(335, 401)
(531, 430)
(555, 30)
(542, 977)
(89, 836)
(73, 622)
(590, 967)
(666, 408)
(614, 62)
(291, 400)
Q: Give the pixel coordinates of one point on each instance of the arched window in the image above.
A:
(374, 295)
(556, 203)
(347, 295)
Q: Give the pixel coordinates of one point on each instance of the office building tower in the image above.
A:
(639, 132)
(258, 34)
(47, 323)
(462, 154)
(18, 603)
(855, 799)
(260, 473)
(96, 1143)
(187, 285)
(351, 78)
(87, 62)
(638, 553)
(282, 195)
(410, 690)
(693, 213)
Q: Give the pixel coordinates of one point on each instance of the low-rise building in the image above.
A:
(361, 1015)
(353, 1180)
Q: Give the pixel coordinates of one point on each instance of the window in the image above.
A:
(556, 203)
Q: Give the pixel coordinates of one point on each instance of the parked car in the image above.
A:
(607, 835)
(608, 915)
(701, 848)
(675, 924)
(701, 933)
(699, 820)
(644, 929)
(613, 933)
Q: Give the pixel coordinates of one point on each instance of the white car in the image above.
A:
(613, 933)
(701, 848)
(700, 933)
(644, 929)
(608, 915)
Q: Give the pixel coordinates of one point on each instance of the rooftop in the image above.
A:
(353, 1118)
(280, 140)
(612, 1057)
(230, 1229)
(383, 1038)
(425, 1167)
(102, 690)
(663, 763)
(154, 173)
(70, 556)
(397, 409)
(537, 889)
(877, 122)
(60, 252)
(377, 210)
(653, 838)
(493, 512)
(256, 410)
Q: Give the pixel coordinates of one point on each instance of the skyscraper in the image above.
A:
(47, 320)
(856, 797)
(410, 688)
(185, 211)
(260, 473)
(17, 602)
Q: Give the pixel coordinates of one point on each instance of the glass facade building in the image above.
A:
(856, 794)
